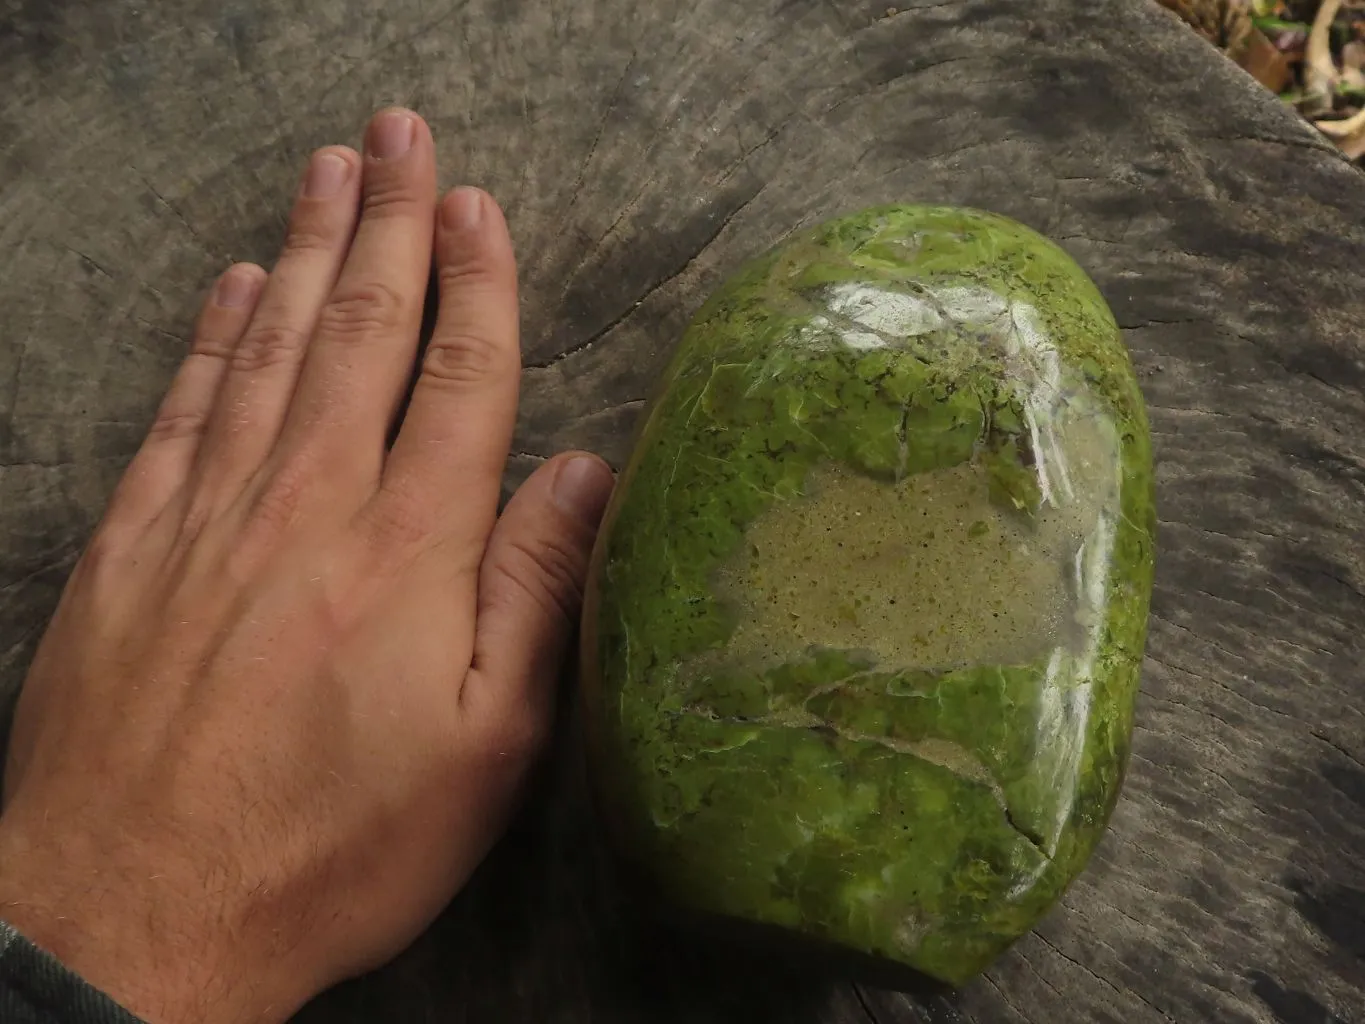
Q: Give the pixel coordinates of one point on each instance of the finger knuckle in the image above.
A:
(268, 346)
(463, 358)
(277, 505)
(177, 425)
(398, 520)
(549, 572)
(213, 346)
(104, 566)
(310, 234)
(198, 512)
(470, 272)
(362, 310)
(385, 199)
(103, 555)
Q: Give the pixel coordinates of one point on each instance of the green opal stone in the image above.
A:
(865, 618)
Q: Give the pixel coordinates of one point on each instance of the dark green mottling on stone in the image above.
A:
(907, 784)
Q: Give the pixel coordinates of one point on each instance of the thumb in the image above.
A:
(531, 581)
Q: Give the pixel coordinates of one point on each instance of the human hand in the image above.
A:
(293, 686)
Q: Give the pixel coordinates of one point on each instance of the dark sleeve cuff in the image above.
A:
(36, 989)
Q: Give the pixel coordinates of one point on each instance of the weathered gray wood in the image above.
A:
(643, 150)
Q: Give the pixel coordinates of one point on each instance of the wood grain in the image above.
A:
(642, 152)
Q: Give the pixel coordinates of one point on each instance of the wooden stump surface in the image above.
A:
(643, 150)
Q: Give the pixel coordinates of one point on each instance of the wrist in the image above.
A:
(134, 935)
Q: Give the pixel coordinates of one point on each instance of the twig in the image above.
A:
(1349, 134)
(1343, 128)
(1320, 76)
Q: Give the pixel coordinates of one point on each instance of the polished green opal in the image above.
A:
(866, 615)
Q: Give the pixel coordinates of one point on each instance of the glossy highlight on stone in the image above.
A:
(865, 620)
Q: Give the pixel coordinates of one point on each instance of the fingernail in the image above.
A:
(463, 209)
(391, 134)
(235, 288)
(582, 488)
(326, 174)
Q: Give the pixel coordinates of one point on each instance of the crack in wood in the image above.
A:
(938, 5)
(1138, 325)
(65, 561)
(90, 261)
(1004, 998)
(1163, 767)
(861, 996)
(1221, 685)
(749, 153)
(357, 62)
(1192, 411)
(596, 141)
(1311, 141)
(658, 284)
(1244, 609)
(1338, 579)
(38, 464)
(21, 346)
(1200, 637)
(1193, 710)
(1103, 980)
(1028, 962)
(1323, 738)
(175, 211)
(17, 647)
(155, 329)
(886, 84)
(596, 247)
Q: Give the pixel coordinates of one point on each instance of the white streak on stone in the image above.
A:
(885, 312)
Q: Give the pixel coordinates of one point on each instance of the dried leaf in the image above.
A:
(1222, 22)
(1261, 59)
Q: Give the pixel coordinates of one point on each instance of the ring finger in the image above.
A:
(261, 375)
